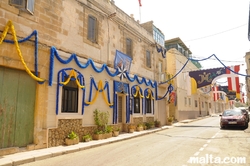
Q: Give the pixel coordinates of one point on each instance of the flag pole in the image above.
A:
(140, 12)
(139, 9)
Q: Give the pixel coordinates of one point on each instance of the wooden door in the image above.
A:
(120, 107)
(17, 103)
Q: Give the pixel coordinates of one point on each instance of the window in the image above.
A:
(189, 101)
(160, 67)
(185, 100)
(202, 104)
(148, 59)
(92, 29)
(137, 104)
(70, 97)
(129, 47)
(196, 103)
(209, 105)
(23, 4)
(148, 105)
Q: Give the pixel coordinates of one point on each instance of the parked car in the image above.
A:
(245, 110)
(233, 117)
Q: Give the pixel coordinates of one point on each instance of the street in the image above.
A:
(202, 139)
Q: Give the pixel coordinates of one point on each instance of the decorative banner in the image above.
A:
(205, 77)
(231, 95)
(233, 80)
(242, 100)
(215, 93)
(223, 88)
(172, 97)
(121, 87)
(122, 59)
(206, 89)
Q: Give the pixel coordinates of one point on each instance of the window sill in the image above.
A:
(149, 113)
(69, 116)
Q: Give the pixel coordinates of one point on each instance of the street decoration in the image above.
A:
(205, 77)
(233, 80)
(122, 61)
(73, 75)
(161, 50)
(10, 26)
(121, 72)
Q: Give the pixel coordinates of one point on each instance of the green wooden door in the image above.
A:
(17, 103)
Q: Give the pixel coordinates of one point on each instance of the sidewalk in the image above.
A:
(40, 154)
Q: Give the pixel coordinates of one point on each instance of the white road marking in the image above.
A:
(205, 145)
(197, 153)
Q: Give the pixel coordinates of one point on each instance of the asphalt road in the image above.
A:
(202, 139)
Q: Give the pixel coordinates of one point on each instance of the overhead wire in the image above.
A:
(216, 33)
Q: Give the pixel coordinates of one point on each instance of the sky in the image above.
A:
(207, 27)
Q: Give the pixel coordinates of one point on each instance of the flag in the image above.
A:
(139, 2)
(215, 93)
(242, 100)
(249, 24)
(233, 80)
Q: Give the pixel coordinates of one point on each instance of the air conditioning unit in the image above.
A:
(25, 5)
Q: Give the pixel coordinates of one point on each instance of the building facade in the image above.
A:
(189, 103)
(61, 60)
(247, 60)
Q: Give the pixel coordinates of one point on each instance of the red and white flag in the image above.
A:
(139, 2)
(233, 80)
(242, 98)
(215, 93)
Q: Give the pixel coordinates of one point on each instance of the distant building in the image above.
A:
(188, 104)
(247, 60)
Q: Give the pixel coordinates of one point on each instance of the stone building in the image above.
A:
(247, 60)
(189, 104)
(61, 60)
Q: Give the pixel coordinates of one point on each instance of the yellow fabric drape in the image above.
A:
(237, 95)
(150, 95)
(193, 86)
(169, 76)
(72, 74)
(100, 88)
(138, 92)
(11, 26)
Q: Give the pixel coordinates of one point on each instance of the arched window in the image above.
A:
(137, 104)
(148, 105)
(70, 97)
